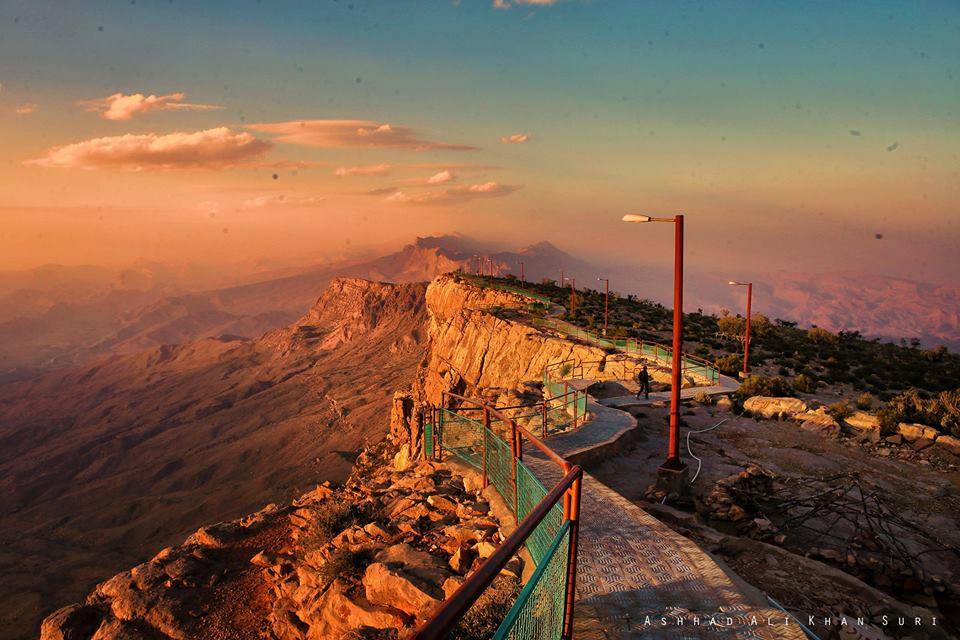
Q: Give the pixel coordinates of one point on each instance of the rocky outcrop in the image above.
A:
(770, 407)
(377, 555)
(475, 345)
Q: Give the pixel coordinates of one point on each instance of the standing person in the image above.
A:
(643, 382)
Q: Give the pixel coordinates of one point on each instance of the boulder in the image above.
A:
(393, 587)
(819, 422)
(335, 615)
(413, 561)
(912, 432)
(724, 403)
(402, 460)
(948, 443)
(73, 622)
(862, 422)
(770, 407)
(216, 535)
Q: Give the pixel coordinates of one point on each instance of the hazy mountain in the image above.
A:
(103, 465)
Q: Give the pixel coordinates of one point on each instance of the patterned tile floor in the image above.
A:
(636, 576)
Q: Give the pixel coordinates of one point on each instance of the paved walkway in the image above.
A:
(636, 576)
(726, 384)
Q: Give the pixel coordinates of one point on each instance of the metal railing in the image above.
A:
(660, 354)
(547, 522)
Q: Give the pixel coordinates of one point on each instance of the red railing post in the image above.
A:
(571, 595)
(543, 426)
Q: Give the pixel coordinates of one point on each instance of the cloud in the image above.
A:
(368, 170)
(218, 148)
(439, 178)
(505, 4)
(516, 138)
(454, 195)
(277, 200)
(124, 107)
(352, 133)
(26, 109)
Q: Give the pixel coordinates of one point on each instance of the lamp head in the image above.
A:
(632, 217)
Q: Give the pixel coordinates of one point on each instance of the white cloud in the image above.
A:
(454, 195)
(26, 109)
(439, 178)
(210, 149)
(278, 200)
(120, 106)
(352, 133)
(516, 138)
(368, 170)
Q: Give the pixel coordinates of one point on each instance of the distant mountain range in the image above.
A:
(60, 316)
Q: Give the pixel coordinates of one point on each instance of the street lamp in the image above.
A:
(746, 338)
(672, 474)
(523, 277)
(606, 302)
(573, 299)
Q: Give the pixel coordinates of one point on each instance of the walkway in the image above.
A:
(726, 384)
(634, 571)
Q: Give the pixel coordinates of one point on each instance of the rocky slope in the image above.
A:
(102, 464)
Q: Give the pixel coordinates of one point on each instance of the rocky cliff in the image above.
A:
(374, 556)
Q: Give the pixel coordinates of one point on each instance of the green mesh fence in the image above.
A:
(538, 611)
(428, 441)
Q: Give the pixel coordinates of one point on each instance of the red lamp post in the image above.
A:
(606, 302)
(671, 475)
(746, 338)
(523, 277)
(562, 279)
(573, 299)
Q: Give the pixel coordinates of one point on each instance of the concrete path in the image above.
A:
(726, 384)
(636, 576)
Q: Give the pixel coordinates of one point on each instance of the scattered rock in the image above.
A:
(819, 422)
(948, 443)
(770, 407)
(862, 423)
(395, 588)
(914, 432)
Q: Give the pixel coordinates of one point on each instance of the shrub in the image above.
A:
(865, 400)
(763, 386)
(804, 384)
(942, 411)
(702, 397)
(818, 335)
(344, 563)
(730, 365)
(840, 410)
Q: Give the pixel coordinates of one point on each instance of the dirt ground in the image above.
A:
(923, 493)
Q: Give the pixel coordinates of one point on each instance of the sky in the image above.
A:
(797, 136)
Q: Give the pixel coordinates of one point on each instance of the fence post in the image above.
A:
(543, 425)
(513, 471)
(486, 429)
(576, 401)
(574, 518)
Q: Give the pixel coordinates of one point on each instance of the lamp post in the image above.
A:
(606, 302)
(672, 474)
(746, 337)
(562, 279)
(573, 299)
(523, 277)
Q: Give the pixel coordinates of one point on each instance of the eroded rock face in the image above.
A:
(473, 348)
(770, 407)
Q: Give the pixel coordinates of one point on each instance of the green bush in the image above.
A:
(762, 386)
(730, 365)
(840, 410)
(804, 384)
(865, 400)
(941, 411)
